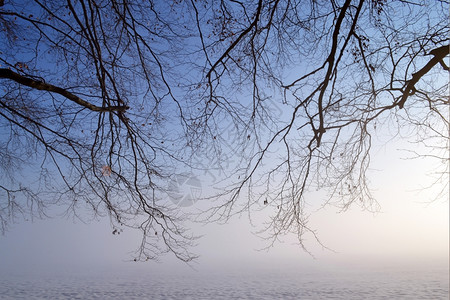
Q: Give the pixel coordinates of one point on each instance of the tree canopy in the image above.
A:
(104, 102)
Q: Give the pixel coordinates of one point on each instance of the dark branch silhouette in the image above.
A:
(41, 85)
(105, 105)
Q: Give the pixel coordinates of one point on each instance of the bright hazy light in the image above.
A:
(409, 230)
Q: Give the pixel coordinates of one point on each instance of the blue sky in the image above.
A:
(409, 229)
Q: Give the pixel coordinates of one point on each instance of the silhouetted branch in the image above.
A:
(41, 85)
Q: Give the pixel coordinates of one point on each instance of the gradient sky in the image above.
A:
(408, 231)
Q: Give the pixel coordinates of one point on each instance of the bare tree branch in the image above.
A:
(41, 85)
